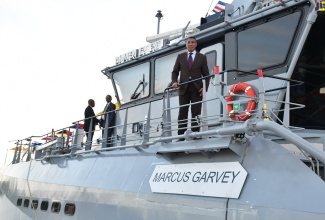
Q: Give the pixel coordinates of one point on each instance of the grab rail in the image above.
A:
(147, 136)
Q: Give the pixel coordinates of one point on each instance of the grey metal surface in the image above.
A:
(117, 184)
(278, 186)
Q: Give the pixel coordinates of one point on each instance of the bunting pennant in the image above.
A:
(35, 144)
(64, 132)
(24, 149)
(77, 125)
(49, 138)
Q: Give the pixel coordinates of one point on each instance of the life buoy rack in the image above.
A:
(241, 87)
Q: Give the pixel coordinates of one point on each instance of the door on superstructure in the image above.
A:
(215, 57)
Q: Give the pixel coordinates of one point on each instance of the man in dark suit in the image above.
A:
(89, 112)
(109, 116)
(190, 65)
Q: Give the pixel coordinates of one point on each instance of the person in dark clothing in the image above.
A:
(89, 113)
(109, 115)
(189, 65)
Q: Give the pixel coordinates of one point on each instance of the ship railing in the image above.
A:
(150, 136)
(261, 111)
(265, 114)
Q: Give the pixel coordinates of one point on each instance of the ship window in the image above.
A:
(56, 206)
(310, 69)
(19, 202)
(26, 203)
(44, 205)
(163, 68)
(267, 44)
(69, 209)
(34, 204)
(132, 83)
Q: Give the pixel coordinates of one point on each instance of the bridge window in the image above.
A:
(69, 209)
(310, 69)
(163, 69)
(132, 83)
(267, 44)
(44, 205)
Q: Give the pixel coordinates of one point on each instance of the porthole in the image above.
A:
(69, 209)
(44, 205)
(19, 202)
(26, 202)
(56, 206)
(34, 204)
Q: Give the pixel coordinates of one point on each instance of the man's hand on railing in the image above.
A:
(175, 85)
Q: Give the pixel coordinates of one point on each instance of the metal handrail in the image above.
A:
(188, 135)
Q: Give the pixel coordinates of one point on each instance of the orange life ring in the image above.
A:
(243, 87)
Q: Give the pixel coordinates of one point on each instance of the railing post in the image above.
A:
(19, 152)
(261, 94)
(286, 114)
(68, 138)
(204, 111)
(104, 139)
(166, 130)
(75, 140)
(88, 142)
(29, 153)
(218, 85)
(15, 154)
(123, 138)
(147, 128)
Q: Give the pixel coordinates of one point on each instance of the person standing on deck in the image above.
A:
(109, 115)
(189, 65)
(89, 112)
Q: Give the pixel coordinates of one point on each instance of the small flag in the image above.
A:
(49, 138)
(24, 149)
(219, 7)
(35, 143)
(77, 125)
(64, 132)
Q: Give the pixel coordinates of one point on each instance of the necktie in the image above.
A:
(190, 61)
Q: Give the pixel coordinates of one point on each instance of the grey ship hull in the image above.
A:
(115, 185)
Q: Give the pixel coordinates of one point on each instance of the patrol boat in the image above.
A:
(260, 151)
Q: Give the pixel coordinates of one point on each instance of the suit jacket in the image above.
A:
(89, 112)
(199, 68)
(110, 116)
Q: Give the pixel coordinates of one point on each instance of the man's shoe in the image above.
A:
(181, 139)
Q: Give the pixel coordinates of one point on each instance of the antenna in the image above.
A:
(209, 9)
(159, 16)
(184, 29)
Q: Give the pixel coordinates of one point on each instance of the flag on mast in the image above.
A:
(221, 5)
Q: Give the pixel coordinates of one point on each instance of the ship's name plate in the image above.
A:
(203, 179)
(133, 54)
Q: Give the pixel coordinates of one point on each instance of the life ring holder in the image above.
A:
(241, 87)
